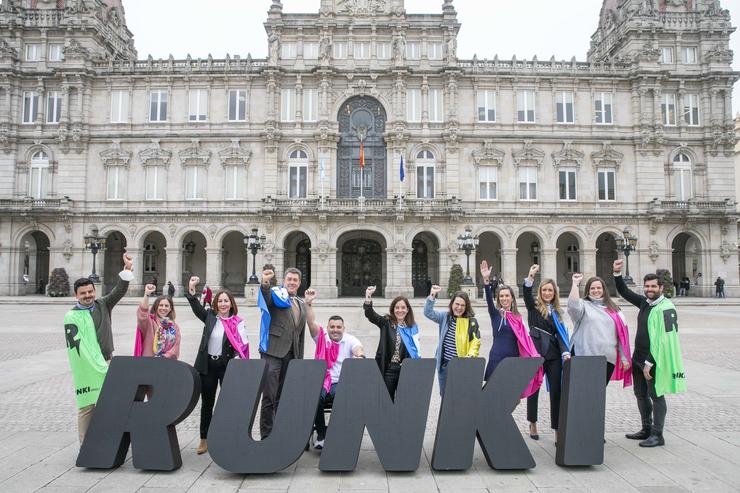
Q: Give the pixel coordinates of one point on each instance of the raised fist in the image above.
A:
(309, 296)
(149, 289)
(370, 291)
(435, 290)
(128, 261)
(577, 278)
(534, 270)
(194, 281)
(267, 275)
(617, 266)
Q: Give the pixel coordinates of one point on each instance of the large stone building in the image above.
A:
(546, 161)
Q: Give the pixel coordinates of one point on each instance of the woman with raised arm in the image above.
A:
(224, 338)
(399, 337)
(599, 328)
(510, 336)
(158, 334)
(550, 337)
(459, 333)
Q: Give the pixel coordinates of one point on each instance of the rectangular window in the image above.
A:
(413, 50)
(30, 106)
(691, 109)
(237, 105)
(525, 106)
(564, 107)
(298, 177)
(527, 183)
(195, 182)
(33, 52)
(425, 182)
(666, 54)
(668, 109)
(198, 105)
(340, 50)
(54, 52)
(155, 182)
(413, 105)
(310, 105)
(288, 50)
(486, 106)
(38, 177)
(287, 105)
(434, 51)
(607, 179)
(118, 106)
(115, 179)
(567, 184)
(603, 108)
(488, 178)
(53, 107)
(233, 179)
(384, 51)
(689, 54)
(311, 51)
(436, 105)
(361, 50)
(158, 106)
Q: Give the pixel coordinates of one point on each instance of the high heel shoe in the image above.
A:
(533, 435)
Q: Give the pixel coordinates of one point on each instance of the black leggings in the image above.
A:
(208, 385)
(553, 369)
(391, 376)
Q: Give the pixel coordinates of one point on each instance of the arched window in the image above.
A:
(297, 174)
(682, 177)
(151, 252)
(425, 175)
(38, 176)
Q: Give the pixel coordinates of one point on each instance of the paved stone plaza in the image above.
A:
(38, 439)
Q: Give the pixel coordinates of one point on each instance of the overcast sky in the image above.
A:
(505, 27)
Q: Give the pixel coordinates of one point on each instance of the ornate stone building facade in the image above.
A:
(546, 161)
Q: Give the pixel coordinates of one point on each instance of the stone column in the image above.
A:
(174, 269)
(549, 261)
(588, 262)
(214, 256)
(508, 265)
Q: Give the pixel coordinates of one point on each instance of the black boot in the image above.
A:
(654, 440)
(643, 434)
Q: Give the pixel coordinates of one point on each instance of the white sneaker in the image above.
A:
(318, 445)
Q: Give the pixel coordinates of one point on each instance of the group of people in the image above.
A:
(600, 329)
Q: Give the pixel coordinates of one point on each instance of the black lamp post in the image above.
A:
(95, 244)
(467, 243)
(254, 243)
(627, 244)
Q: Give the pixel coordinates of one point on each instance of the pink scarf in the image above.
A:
(327, 350)
(231, 329)
(624, 341)
(526, 350)
(138, 343)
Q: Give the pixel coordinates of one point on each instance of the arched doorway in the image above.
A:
(489, 249)
(154, 265)
(528, 252)
(193, 258)
(687, 259)
(606, 254)
(298, 255)
(424, 263)
(361, 263)
(361, 118)
(115, 244)
(234, 264)
(568, 260)
(34, 263)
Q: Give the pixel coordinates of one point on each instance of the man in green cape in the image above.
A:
(89, 337)
(657, 366)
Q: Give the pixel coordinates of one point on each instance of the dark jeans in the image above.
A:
(208, 386)
(272, 386)
(391, 376)
(442, 376)
(652, 408)
(553, 370)
(320, 421)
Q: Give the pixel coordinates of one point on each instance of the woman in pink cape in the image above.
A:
(157, 333)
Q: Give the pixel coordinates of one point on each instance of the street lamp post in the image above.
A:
(626, 244)
(467, 243)
(95, 244)
(254, 243)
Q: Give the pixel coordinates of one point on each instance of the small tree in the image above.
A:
(668, 287)
(59, 283)
(456, 279)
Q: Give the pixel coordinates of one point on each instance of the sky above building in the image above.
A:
(521, 28)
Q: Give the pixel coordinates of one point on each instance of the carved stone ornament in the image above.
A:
(528, 154)
(194, 155)
(653, 251)
(67, 249)
(488, 153)
(155, 155)
(725, 251)
(7, 51)
(234, 155)
(607, 156)
(568, 154)
(115, 156)
(75, 50)
(362, 7)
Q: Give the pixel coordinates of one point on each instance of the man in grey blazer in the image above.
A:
(287, 328)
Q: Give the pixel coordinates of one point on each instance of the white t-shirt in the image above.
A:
(216, 341)
(346, 345)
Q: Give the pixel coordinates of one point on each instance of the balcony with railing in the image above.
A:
(692, 206)
(28, 204)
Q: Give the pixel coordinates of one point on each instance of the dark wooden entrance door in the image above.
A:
(362, 266)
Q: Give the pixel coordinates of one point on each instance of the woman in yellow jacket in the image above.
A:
(459, 333)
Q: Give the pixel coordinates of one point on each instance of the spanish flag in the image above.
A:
(362, 155)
